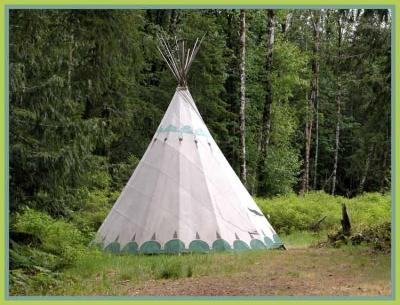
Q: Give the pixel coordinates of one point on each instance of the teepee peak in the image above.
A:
(179, 57)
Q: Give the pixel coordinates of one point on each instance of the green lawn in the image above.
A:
(301, 270)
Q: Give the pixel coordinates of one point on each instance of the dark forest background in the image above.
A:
(88, 89)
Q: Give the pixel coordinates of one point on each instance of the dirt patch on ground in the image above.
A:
(315, 272)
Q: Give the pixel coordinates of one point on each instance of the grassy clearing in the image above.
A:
(101, 272)
(303, 239)
(108, 270)
(349, 270)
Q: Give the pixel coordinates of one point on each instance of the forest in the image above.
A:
(298, 100)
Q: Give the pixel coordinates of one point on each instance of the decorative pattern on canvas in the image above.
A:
(177, 246)
(184, 129)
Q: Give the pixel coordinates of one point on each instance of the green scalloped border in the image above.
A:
(221, 245)
(240, 245)
(131, 248)
(257, 244)
(150, 247)
(199, 245)
(175, 245)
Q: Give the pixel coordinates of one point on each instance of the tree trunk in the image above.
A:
(266, 117)
(308, 137)
(243, 172)
(366, 168)
(337, 136)
(338, 105)
(315, 90)
(345, 221)
(286, 23)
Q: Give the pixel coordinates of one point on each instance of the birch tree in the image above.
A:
(315, 19)
(338, 100)
(242, 71)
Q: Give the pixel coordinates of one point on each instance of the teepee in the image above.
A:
(184, 196)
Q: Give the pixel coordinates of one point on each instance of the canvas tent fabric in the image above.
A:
(184, 196)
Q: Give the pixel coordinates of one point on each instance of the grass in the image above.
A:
(99, 273)
(303, 270)
(303, 239)
(142, 267)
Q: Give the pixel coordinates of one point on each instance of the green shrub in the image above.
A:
(39, 282)
(93, 212)
(35, 265)
(290, 213)
(27, 257)
(57, 237)
(379, 237)
(121, 172)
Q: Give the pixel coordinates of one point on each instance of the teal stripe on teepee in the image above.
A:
(199, 246)
(174, 246)
(184, 129)
(150, 247)
(269, 242)
(177, 246)
(257, 244)
(131, 248)
(221, 245)
(169, 128)
(240, 245)
(201, 132)
(277, 239)
(113, 247)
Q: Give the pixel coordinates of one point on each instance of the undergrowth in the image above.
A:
(46, 253)
(292, 213)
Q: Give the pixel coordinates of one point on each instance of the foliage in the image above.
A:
(290, 213)
(39, 282)
(57, 237)
(52, 246)
(378, 236)
(282, 162)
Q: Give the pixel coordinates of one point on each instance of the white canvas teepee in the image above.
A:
(184, 196)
